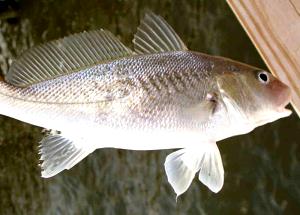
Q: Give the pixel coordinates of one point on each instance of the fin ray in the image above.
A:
(211, 172)
(155, 35)
(65, 56)
(179, 175)
(182, 165)
(59, 153)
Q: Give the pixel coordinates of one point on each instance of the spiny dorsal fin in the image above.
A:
(65, 56)
(155, 35)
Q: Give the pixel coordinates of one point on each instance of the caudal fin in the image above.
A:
(182, 165)
(59, 153)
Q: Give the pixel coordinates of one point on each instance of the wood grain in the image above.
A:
(274, 28)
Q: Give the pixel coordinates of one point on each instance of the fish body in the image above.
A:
(150, 92)
(160, 96)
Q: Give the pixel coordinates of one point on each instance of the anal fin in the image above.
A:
(59, 153)
(182, 165)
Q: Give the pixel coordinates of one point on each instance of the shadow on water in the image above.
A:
(261, 169)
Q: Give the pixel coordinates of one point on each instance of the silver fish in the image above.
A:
(98, 93)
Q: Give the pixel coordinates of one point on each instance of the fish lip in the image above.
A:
(284, 111)
(282, 108)
(281, 112)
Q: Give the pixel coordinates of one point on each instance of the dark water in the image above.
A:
(262, 169)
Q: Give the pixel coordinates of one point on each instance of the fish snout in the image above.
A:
(281, 94)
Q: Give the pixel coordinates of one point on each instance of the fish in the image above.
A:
(90, 91)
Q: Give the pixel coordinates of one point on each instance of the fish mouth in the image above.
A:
(284, 112)
(278, 113)
(285, 97)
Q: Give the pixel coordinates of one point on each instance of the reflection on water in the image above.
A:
(261, 169)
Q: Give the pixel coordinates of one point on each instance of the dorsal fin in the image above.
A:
(155, 35)
(65, 56)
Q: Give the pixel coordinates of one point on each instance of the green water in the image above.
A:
(262, 169)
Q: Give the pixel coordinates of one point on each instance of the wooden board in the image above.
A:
(274, 28)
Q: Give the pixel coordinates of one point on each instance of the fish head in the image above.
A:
(254, 94)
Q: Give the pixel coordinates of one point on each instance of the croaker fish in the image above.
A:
(98, 93)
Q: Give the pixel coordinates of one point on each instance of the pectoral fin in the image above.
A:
(203, 111)
(59, 153)
(182, 165)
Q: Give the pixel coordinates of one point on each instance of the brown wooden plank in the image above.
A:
(274, 28)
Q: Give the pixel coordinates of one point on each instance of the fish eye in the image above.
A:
(263, 77)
